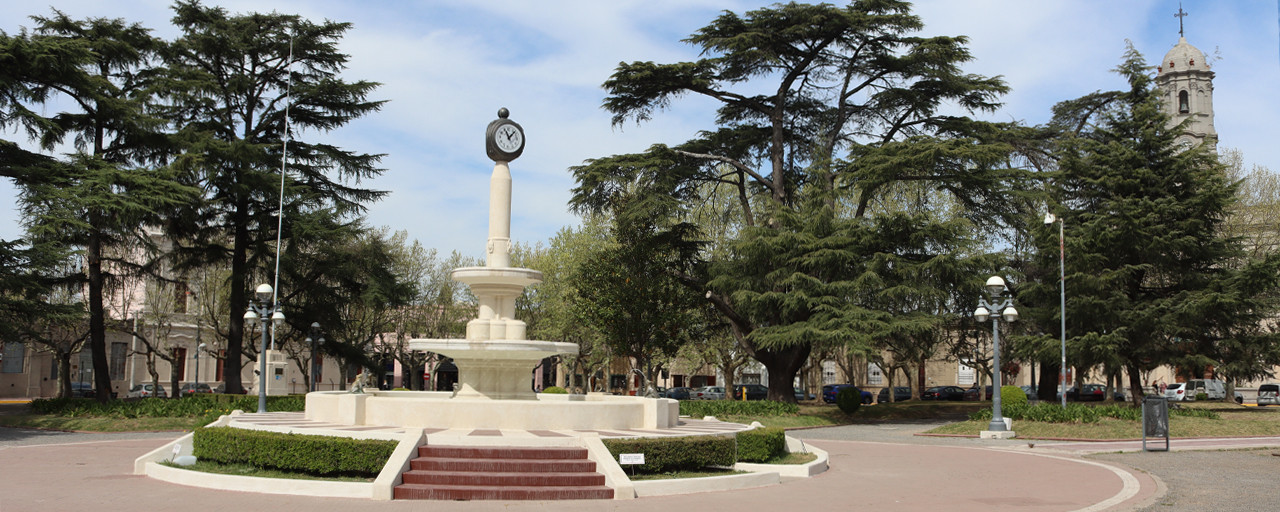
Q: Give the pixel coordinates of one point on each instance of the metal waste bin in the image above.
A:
(1155, 421)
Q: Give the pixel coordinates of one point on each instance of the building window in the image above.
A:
(118, 353)
(180, 362)
(1184, 105)
(84, 370)
(13, 355)
(966, 376)
(875, 377)
(180, 295)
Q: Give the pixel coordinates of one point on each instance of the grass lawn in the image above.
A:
(205, 466)
(99, 423)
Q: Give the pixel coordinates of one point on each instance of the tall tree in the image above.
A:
(840, 100)
(104, 194)
(232, 78)
(1154, 281)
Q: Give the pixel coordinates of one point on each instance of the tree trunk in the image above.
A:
(238, 301)
(782, 365)
(1047, 388)
(97, 320)
(64, 373)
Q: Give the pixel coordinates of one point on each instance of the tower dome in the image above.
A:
(1183, 57)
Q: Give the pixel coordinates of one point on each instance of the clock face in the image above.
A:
(508, 138)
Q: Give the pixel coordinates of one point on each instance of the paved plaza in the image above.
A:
(873, 467)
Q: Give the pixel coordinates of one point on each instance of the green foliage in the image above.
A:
(723, 408)
(761, 444)
(1079, 413)
(849, 399)
(318, 455)
(208, 406)
(1012, 395)
(677, 453)
(555, 390)
(1202, 396)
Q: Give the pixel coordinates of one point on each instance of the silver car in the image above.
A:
(1268, 394)
(707, 393)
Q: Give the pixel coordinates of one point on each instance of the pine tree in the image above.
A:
(1150, 271)
(230, 80)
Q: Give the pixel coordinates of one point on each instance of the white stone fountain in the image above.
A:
(495, 362)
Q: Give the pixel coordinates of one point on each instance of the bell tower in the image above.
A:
(1186, 91)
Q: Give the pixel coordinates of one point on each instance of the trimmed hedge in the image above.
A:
(662, 455)
(721, 408)
(314, 455)
(849, 399)
(1012, 395)
(761, 444)
(555, 390)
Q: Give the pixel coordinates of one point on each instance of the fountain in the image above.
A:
(495, 361)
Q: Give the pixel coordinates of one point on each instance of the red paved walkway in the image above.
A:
(97, 476)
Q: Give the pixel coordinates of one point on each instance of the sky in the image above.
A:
(447, 66)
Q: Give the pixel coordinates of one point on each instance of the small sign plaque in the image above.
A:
(631, 458)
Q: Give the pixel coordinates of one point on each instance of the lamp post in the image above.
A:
(198, 349)
(1049, 219)
(266, 312)
(316, 338)
(999, 307)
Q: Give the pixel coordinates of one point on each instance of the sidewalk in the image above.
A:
(94, 472)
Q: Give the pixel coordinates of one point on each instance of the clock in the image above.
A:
(504, 138)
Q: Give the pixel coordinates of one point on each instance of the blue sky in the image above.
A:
(447, 66)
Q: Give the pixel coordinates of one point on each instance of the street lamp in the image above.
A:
(264, 311)
(1002, 307)
(315, 338)
(1049, 219)
(198, 349)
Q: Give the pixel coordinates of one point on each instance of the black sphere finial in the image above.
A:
(503, 113)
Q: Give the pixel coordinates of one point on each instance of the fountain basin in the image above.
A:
(494, 369)
(435, 409)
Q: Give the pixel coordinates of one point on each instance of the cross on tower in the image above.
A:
(1181, 14)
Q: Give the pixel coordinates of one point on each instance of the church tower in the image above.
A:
(1186, 90)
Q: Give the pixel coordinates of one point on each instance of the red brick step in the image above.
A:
(502, 473)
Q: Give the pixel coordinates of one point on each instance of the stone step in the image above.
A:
(503, 479)
(502, 452)
(502, 465)
(471, 492)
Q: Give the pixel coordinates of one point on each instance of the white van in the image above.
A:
(1215, 389)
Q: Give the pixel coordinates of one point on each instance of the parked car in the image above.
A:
(190, 388)
(900, 394)
(1213, 388)
(971, 394)
(679, 393)
(82, 390)
(954, 393)
(754, 391)
(146, 391)
(1268, 394)
(1030, 391)
(801, 395)
(1088, 393)
(707, 393)
(1177, 392)
(830, 391)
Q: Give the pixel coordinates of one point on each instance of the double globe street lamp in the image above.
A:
(999, 307)
(265, 311)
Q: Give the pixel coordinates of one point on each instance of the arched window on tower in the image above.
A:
(1183, 105)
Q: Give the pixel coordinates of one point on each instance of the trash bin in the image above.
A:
(1155, 420)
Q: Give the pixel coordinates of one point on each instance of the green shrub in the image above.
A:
(555, 390)
(314, 455)
(1202, 396)
(761, 444)
(722, 408)
(662, 455)
(1080, 413)
(849, 399)
(1010, 395)
(207, 406)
